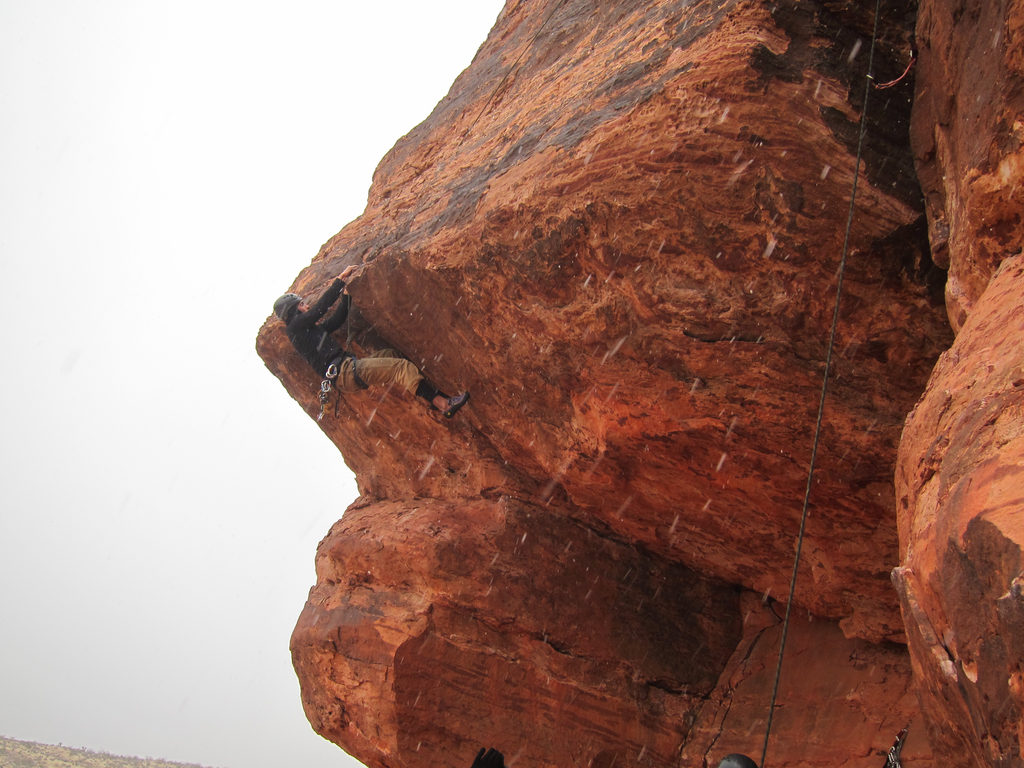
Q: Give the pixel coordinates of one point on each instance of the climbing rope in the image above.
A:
(824, 387)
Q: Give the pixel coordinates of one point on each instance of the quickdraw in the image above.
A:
(892, 758)
(898, 80)
(330, 376)
(330, 381)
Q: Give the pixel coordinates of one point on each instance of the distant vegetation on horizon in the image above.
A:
(27, 754)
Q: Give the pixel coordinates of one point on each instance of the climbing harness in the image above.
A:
(824, 392)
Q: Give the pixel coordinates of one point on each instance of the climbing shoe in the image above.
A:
(454, 403)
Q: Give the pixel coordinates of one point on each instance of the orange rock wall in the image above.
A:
(961, 484)
(967, 132)
(620, 230)
(435, 627)
(960, 474)
(841, 702)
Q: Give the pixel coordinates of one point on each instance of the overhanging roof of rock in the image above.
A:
(620, 230)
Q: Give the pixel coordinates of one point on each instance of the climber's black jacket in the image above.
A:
(314, 341)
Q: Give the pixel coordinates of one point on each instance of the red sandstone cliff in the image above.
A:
(621, 230)
(960, 473)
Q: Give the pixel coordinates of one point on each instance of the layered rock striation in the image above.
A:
(622, 231)
(960, 473)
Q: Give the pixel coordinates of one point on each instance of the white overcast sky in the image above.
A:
(166, 169)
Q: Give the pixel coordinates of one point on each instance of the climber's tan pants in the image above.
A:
(383, 368)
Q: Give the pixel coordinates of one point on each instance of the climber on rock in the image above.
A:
(340, 368)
